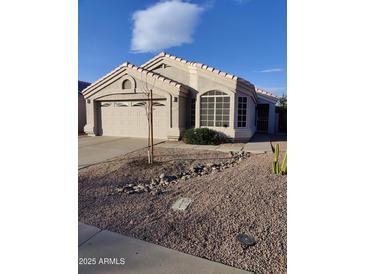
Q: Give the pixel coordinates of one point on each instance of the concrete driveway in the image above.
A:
(132, 256)
(98, 149)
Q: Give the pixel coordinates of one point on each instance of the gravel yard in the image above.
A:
(245, 198)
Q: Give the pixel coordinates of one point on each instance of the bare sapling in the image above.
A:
(147, 89)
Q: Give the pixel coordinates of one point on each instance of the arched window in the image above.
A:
(126, 84)
(214, 109)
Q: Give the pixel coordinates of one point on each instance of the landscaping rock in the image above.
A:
(155, 221)
(156, 192)
(246, 240)
(196, 170)
(181, 204)
(170, 178)
(119, 189)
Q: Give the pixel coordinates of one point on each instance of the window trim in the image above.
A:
(244, 102)
(193, 112)
(125, 77)
(216, 94)
(126, 81)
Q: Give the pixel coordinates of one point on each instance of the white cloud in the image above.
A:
(164, 25)
(271, 70)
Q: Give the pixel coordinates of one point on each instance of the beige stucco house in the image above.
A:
(186, 94)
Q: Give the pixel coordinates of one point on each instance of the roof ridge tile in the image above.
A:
(199, 65)
(265, 92)
(137, 68)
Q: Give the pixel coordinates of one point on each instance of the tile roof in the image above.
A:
(264, 92)
(172, 82)
(136, 68)
(199, 65)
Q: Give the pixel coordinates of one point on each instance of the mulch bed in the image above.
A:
(245, 199)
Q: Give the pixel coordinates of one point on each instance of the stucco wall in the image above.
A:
(201, 81)
(82, 112)
(245, 133)
(196, 81)
(111, 89)
(174, 73)
(182, 113)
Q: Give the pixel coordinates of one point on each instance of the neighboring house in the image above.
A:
(186, 94)
(82, 107)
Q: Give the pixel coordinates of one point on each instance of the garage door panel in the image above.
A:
(128, 120)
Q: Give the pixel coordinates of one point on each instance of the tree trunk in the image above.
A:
(151, 110)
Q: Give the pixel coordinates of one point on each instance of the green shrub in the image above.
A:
(202, 136)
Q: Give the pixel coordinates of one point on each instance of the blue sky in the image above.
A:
(243, 37)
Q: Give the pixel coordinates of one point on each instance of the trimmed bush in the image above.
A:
(202, 136)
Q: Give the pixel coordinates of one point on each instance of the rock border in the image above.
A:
(158, 185)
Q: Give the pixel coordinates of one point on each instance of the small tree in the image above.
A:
(148, 91)
(282, 101)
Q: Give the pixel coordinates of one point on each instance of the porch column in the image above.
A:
(271, 127)
(174, 128)
(90, 127)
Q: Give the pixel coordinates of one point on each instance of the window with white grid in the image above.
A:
(214, 109)
(242, 111)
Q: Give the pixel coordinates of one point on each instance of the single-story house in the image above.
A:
(81, 105)
(186, 94)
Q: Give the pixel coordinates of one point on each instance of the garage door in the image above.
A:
(128, 119)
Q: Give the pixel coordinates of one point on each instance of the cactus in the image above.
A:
(283, 165)
(276, 152)
(277, 171)
(275, 165)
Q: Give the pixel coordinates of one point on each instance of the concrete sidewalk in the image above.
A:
(259, 143)
(139, 257)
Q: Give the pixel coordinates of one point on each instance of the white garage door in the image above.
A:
(128, 119)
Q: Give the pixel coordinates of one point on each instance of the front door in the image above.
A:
(262, 123)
